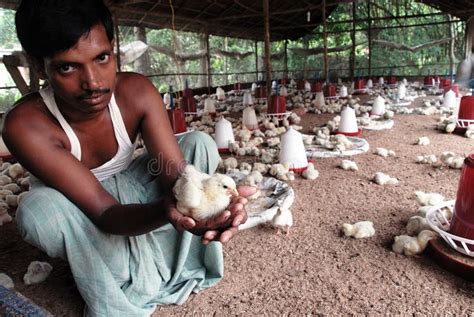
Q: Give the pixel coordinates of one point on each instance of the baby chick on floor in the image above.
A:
(203, 196)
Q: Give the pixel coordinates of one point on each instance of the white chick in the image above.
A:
(428, 199)
(388, 114)
(384, 152)
(349, 165)
(16, 171)
(469, 131)
(359, 230)
(283, 219)
(230, 163)
(310, 173)
(37, 272)
(411, 246)
(273, 142)
(245, 134)
(260, 167)
(245, 167)
(253, 179)
(423, 141)
(416, 224)
(384, 179)
(202, 196)
(4, 216)
(6, 281)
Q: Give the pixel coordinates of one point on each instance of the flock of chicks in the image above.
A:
(202, 196)
(249, 143)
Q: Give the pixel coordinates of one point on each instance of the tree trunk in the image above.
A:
(305, 61)
(180, 65)
(451, 48)
(142, 64)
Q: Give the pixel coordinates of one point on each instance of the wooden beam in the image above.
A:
(117, 42)
(11, 64)
(325, 39)
(369, 24)
(285, 59)
(353, 39)
(208, 60)
(256, 61)
(268, 65)
(451, 47)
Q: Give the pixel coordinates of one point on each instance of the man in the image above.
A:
(113, 219)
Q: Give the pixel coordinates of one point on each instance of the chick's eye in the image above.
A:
(225, 186)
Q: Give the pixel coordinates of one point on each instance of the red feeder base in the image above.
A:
(359, 132)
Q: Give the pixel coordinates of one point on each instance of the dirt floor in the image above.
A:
(314, 269)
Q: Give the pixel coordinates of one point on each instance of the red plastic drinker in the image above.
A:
(462, 223)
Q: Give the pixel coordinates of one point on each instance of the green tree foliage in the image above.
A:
(388, 18)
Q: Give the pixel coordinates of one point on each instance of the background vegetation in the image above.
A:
(385, 61)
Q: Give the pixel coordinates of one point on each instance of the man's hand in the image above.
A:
(221, 227)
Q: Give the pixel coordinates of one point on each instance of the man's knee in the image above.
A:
(38, 220)
(200, 150)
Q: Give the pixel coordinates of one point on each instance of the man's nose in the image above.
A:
(91, 79)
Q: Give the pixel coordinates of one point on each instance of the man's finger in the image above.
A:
(246, 190)
(228, 234)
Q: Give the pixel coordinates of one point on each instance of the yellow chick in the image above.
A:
(202, 196)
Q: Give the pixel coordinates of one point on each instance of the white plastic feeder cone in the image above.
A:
(220, 93)
(401, 91)
(339, 81)
(166, 98)
(254, 87)
(378, 107)
(274, 84)
(224, 135)
(247, 99)
(456, 107)
(381, 82)
(370, 84)
(348, 122)
(292, 83)
(292, 150)
(320, 99)
(343, 91)
(307, 86)
(449, 99)
(405, 81)
(283, 91)
(210, 106)
(249, 118)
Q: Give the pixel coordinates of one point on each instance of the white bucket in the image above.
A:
(224, 134)
(348, 122)
(292, 150)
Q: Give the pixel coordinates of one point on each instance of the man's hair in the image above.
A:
(47, 27)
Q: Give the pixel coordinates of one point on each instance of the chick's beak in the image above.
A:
(233, 192)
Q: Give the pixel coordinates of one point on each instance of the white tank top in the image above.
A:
(122, 158)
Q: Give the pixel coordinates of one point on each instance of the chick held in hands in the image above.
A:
(201, 196)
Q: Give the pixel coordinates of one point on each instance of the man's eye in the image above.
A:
(103, 58)
(66, 69)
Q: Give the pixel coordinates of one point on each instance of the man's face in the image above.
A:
(83, 77)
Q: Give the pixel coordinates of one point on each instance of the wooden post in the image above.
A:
(305, 60)
(208, 62)
(256, 61)
(117, 42)
(285, 74)
(451, 47)
(353, 38)
(225, 62)
(268, 65)
(369, 23)
(325, 39)
(469, 37)
(11, 64)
